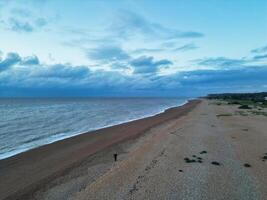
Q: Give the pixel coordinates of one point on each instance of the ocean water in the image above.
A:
(27, 123)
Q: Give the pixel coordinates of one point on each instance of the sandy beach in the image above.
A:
(202, 150)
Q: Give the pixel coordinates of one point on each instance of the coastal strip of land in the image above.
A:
(61, 169)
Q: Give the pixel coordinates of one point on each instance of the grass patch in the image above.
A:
(218, 103)
(252, 103)
(259, 113)
(242, 113)
(233, 103)
(224, 115)
(244, 107)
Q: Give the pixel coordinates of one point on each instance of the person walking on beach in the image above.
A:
(115, 156)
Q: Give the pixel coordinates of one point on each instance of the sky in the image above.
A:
(132, 47)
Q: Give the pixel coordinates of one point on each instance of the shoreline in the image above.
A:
(17, 152)
(29, 171)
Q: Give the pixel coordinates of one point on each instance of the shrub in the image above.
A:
(244, 107)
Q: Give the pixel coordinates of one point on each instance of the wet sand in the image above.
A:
(62, 169)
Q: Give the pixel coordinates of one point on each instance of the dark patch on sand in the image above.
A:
(199, 159)
(188, 160)
(215, 163)
(264, 157)
(194, 159)
(247, 165)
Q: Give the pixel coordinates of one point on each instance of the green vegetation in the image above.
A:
(218, 103)
(244, 107)
(247, 103)
(253, 100)
(224, 115)
(259, 113)
(242, 113)
(239, 96)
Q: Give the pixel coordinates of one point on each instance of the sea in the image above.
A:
(27, 123)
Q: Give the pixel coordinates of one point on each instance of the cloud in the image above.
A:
(146, 64)
(220, 62)
(202, 82)
(30, 60)
(186, 34)
(169, 46)
(147, 50)
(32, 75)
(226, 63)
(10, 60)
(107, 53)
(20, 26)
(63, 79)
(118, 59)
(26, 25)
(21, 12)
(163, 62)
(186, 47)
(243, 77)
(40, 22)
(128, 24)
(259, 50)
(20, 19)
(62, 71)
(260, 57)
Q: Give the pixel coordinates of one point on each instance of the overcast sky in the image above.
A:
(132, 47)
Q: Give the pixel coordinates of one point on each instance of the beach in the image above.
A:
(201, 150)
